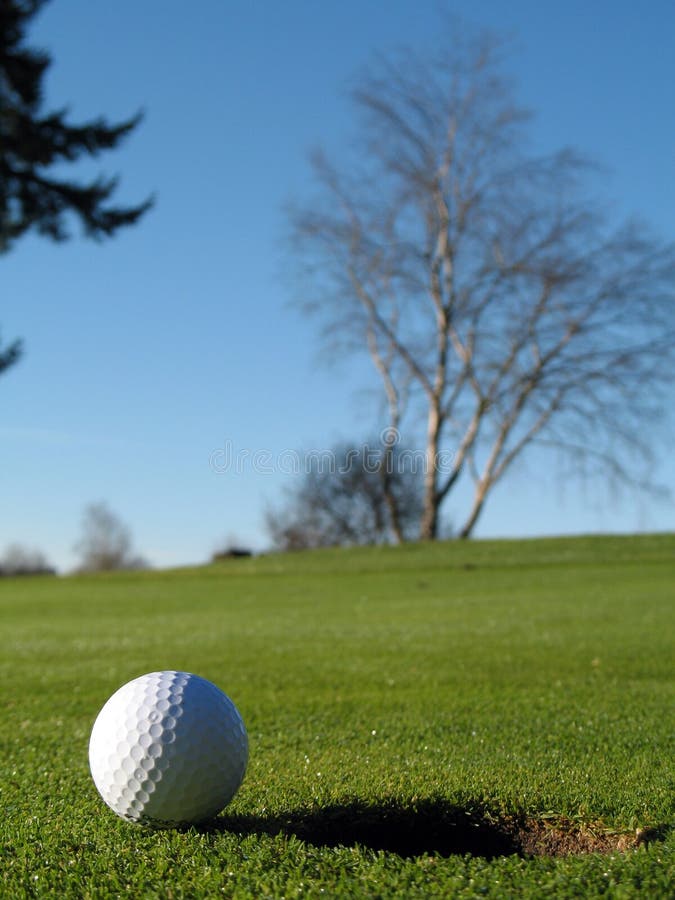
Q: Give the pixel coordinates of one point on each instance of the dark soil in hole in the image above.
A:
(562, 837)
(435, 828)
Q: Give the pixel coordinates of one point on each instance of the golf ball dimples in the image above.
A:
(168, 748)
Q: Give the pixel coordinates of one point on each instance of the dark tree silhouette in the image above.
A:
(350, 495)
(9, 355)
(36, 143)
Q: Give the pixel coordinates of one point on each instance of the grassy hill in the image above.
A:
(461, 719)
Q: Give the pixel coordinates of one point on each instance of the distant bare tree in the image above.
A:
(106, 542)
(19, 560)
(496, 299)
(345, 498)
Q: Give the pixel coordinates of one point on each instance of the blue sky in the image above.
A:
(147, 353)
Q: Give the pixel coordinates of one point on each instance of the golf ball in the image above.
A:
(168, 748)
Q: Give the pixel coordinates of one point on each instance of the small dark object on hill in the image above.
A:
(231, 553)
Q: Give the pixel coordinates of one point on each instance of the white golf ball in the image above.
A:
(168, 748)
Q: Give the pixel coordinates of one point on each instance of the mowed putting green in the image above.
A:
(482, 719)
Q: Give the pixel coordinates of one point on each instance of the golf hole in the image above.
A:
(436, 828)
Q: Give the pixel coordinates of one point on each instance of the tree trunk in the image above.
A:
(429, 523)
(429, 520)
(389, 496)
(476, 510)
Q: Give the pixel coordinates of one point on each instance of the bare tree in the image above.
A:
(106, 542)
(345, 497)
(20, 560)
(494, 296)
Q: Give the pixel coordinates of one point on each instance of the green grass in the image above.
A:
(400, 704)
